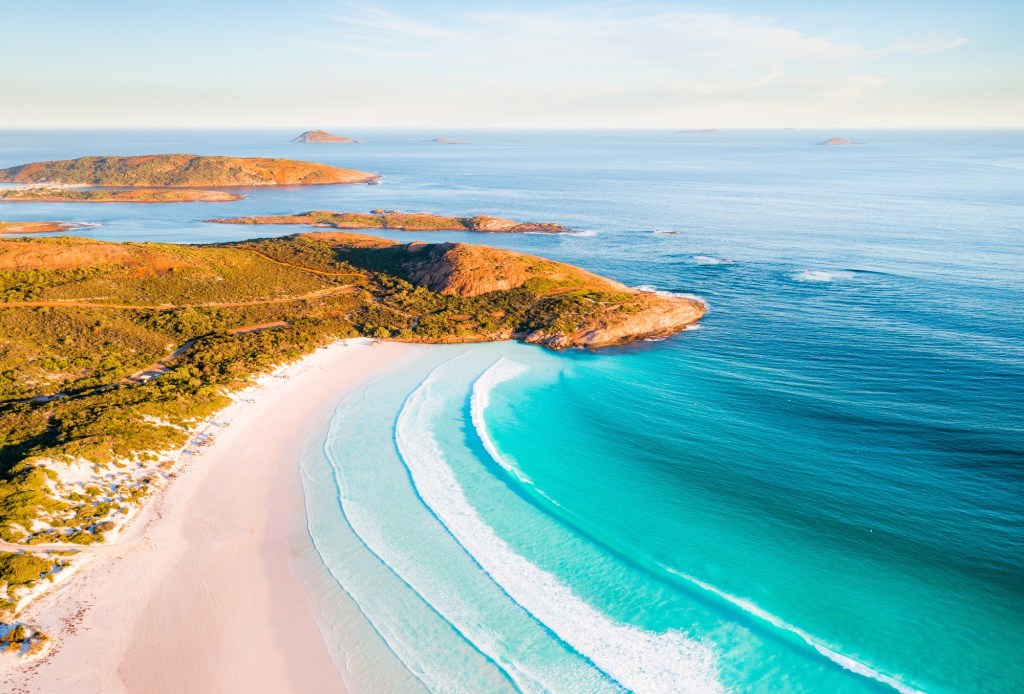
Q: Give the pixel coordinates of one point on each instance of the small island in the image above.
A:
(450, 141)
(832, 141)
(140, 195)
(322, 136)
(181, 171)
(38, 227)
(402, 221)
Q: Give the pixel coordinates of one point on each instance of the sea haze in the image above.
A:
(819, 489)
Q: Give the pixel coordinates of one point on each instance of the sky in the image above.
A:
(524, 64)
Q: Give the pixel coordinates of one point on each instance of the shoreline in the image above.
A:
(208, 589)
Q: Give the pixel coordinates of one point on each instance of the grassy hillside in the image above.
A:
(181, 170)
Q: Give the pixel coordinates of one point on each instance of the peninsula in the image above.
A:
(37, 227)
(147, 195)
(92, 427)
(181, 170)
(401, 221)
(311, 136)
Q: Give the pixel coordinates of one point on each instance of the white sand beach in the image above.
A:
(202, 593)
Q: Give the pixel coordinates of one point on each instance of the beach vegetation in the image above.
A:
(21, 569)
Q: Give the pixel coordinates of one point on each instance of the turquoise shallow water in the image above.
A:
(821, 489)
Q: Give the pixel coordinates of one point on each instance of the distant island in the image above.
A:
(699, 132)
(37, 227)
(838, 141)
(147, 195)
(450, 141)
(181, 170)
(402, 221)
(322, 136)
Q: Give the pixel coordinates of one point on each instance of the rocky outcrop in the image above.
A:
(838, 141)
(497, 225)
(181, 170)
(322, 136)
(655, 317)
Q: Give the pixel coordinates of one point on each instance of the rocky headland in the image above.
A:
(181, 170)
(611, 313)
(402, 221)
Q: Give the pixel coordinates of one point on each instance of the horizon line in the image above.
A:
(681, 129)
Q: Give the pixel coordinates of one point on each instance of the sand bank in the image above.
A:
(203, 592)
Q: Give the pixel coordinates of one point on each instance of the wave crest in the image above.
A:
(661, 292)
(822, 275)
(710, 260)
(843, 661)
(637, 659)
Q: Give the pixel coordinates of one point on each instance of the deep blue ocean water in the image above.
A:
(821, 489)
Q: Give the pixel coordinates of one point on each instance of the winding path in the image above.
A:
(73, 303)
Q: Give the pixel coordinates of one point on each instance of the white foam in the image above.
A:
(560, 233)
(640, 660)
(821, 276)
(711, 260)
(845, 661)
(499, 372)
(661, 292)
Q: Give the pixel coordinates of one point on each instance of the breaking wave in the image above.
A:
(822, 275)
(637, 659)
(843, 661)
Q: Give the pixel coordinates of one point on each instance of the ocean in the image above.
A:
(820, 488)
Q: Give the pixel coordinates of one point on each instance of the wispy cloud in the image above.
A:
(927, 45)
(623, 39)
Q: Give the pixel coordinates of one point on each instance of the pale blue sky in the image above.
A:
(306, 63)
